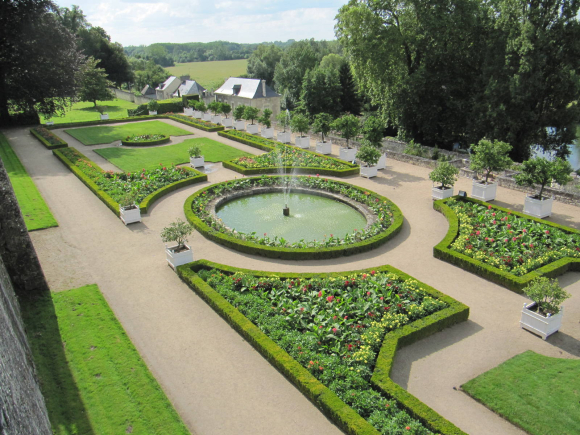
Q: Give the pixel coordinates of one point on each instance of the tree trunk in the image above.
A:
(4, 115)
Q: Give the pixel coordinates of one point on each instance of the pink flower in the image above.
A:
(364, 275)
(509, 225)
(334, 330)
(345, 317)
(494, 222)
(524, 231)
(320, 327)
(489, 207)
(493, 214)
(330, 298)
(368, 293)
(372, 272)
(547, 232)
(319, 294)
(477, 233)
(491, 240)
(505, 240)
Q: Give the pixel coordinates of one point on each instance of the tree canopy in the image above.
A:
(262, 63)
(94, 84)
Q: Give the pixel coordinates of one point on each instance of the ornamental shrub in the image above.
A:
(322, 124)
(265, 118)
(215, 107)
(226, 109)
(177, 232)
(283, 119)
(153, 105)
(239, 112)
(547, 294)
(540, 171)
(299, 124)
(488, 156)
(369, 155)
(445, 174)
(194, 151)
(251, 113)
(348, 127)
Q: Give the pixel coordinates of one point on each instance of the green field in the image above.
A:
(210, 75)
(107, 134)
(36, 213)
(133, 159)
(537, 393)
(92, 377)
(84, 111)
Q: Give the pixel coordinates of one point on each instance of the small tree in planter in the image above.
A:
(250, 114)
(265, 120)
(540, 171)
(153, 106)
(488, 157)
(283, 120)
(348, 127)
(129, 211)
(195, 158)
(226, 110)
(369, 156)
(299, 124)
(216, 108)
(177, 232)
(372, 131)
(322, 124)
(544, 315)
(446, 175)
(239, 116)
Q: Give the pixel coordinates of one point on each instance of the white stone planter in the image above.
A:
(540, 209)
(284, 137)
(538, 324)
(196, 162)
(324, 147)
(49, 123)
(207, 117)
(105, 116)
(303, 142)
(382, 163)
(227, 122)
(368, 171)
(268, 133)
(188, 111)
(216, 119)
(252, 128)
(197, 114)
(438, 193)
(153, 112)
(130, 215)
(240, 125)
(347, 154)
(483, 192)
(178, 258)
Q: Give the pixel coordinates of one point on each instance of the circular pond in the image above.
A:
(311, 217)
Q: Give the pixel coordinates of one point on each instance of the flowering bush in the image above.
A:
(145, 137)
(509, 242)
(118, 184)
(49, 136)
(334, 327)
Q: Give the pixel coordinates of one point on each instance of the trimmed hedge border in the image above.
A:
(322, 397)
(512, 282)
(146, 143)
(352, 169)
(110, 202)
(202, 125)
(249, 247)
(46, 143)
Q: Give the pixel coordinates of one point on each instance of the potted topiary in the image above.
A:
(299, 124)
(197, 112)
(283, 120)
(348, 127)
(543, 316)
(129, 211)
(540, 171)
(322, 123)
(251, 113)
(488, 156)
(239, 116)
(153, 106)
(187, 109)
(226, 109)
(203, 108)
(372, 131)
(267, 130)
(446, 175)
(195, 158)
(101, 110)
(216, 108)
(177, 233)
(368, 155)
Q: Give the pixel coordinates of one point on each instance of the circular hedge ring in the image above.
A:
(146, 140)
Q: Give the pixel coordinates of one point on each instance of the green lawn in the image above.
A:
(210, 75)
(92, 377)
(537, 393)
(37, 215)
(108, 134)
(84, 111)
(133, 159)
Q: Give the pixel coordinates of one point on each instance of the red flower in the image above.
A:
(320, 294)
(408, 428)
(345, 317)
(372, 272)
(320, 327)
(368, 293)
(489, 207)
(547, 232)
(478, 233)
(330, 298)
(334, 330)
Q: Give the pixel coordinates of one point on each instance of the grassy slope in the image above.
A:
(108, 134)
(210, 75)
(96, 383)
(132, 159)
(84, 111)
(538, 393)
(36, 213)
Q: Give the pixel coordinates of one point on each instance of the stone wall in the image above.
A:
(130, 96)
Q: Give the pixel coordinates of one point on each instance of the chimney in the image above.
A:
(263, 88)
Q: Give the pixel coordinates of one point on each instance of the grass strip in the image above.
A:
(540, 394)
(92, 377)
(100, 134)
(37, 215)
(86, 111)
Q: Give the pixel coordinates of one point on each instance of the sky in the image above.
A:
(144, 22)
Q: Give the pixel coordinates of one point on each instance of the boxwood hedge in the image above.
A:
(53, 143)
(145, 143)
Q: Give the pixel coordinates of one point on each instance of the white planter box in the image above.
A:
(268, 133)
(303, 142)
(368, 171)
(130, 215)
(382, 163)
(216, 119)
(538, 324)
(252, 128)
(324, 147)
(240, 125)
(196, 162)
(49, 123)
(347, 154)
(105, 116)
(484, 192)
(540, 209)
(284, 137)
(188, 111)
(438, 193)
(197, 114)
(207, 117)
(227, 122)
(153, 112)
(178, 258)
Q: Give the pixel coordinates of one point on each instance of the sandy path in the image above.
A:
(217, 382)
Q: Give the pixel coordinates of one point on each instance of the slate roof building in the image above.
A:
(189, 87)
(250, 92)
(166, 89)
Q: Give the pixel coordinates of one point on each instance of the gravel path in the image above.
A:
(216, 381)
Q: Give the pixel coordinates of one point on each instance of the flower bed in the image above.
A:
(506, 247)
(388, 223)
(48, 138)
(328, 329)
(146, 140)
(194, 122)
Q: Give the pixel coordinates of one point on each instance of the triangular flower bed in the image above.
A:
(335, 335)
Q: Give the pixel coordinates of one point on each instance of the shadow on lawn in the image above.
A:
(66, 411)
(105, 109)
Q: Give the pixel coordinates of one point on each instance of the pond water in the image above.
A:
(311, 216)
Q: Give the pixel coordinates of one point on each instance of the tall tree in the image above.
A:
(350, 101)
(290, 71)
(33, 77)
(94, 83)
(262, 63)
(321, 92)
